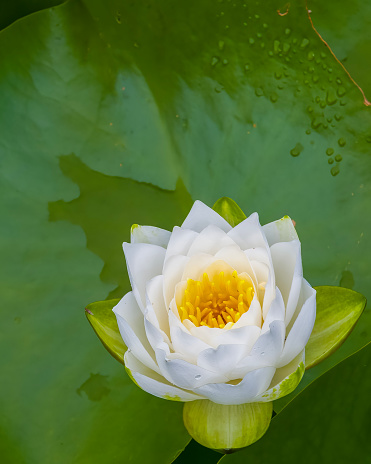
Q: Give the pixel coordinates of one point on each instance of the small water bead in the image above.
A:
(262, 45)
(368, 139)
(287, 31)
(247, 67)
(214, 60)
(323, 55)
(276, 46)
(295, 41)
(280, 86)
(329, 119)
(343, 102)
(341, 142)
(338, 158)
(304, 43)
(225, 62)
(286, 47)
(318, 60)
(322, 104)
(118, 17)
(274, 97)
(317, 99)
(308, 131)
(335, 170)
(329, 70)
(257, 16)
(296, 150)
(259, 92)
(338, 81)
(330, 151)
(330, 161)
(259, 35)
(331, 98)
(265, 26)
(277, 75)
(341, 91)
(338, 117)
(251, 41)
(315, 79)
(311, 69)
(310, 56)
(197, 377)
(221, 45)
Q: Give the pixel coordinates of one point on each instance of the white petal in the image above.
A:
(265, 352)
(286, 258)
(173, 271)
(155, 384)
(144, 262)
(249, 233)
(276, 311)
(222, 359)
(196, 266)
(149, 234)
(183, 342)
(131, 325)
(282, 230)
(246, 335)
(156, 309)
(252, 317)
(180, 242)
(300, 331)
(201, 216)
(210, 240)
(237, 259)
(184, 374)
(253, 384)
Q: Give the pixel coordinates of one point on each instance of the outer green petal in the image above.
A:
(103, 321)
(290, 376)
(338, 310)
(229, 210)
(226, 427)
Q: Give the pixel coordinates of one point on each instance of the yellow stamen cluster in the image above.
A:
(216, 302)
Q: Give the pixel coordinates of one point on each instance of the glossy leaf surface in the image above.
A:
(307, 428)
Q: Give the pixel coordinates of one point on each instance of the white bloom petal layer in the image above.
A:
(144, 261)
(131, 325)
(148, 234)
(253, 384)
(155, 384)
(282, 230)
(201, 216)
(258, 358)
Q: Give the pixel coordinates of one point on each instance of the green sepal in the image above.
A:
(229, 210)
(226, 427)
(103, 321)
(338, 310)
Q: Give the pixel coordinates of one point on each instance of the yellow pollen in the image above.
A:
(217, 302)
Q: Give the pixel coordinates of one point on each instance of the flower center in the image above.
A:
(217, 302)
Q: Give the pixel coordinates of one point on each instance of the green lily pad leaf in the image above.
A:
(103, 321)
(229, 210)
(334, 409)
(338, 310)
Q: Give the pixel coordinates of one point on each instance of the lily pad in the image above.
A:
(307, 427)
(117, 112)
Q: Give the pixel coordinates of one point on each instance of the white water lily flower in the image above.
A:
(216, 312)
